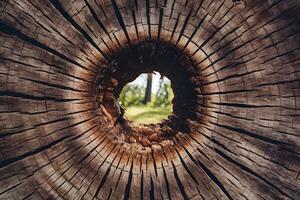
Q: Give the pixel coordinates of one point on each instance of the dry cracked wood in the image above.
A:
(234, 67)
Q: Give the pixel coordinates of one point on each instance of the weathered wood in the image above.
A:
(234, 67)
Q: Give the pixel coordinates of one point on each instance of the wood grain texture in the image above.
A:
(239, 62)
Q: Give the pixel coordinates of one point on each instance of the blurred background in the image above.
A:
(148, 99)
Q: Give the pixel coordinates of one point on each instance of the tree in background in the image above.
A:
(142, 94)
(148, 91)
(164, 94)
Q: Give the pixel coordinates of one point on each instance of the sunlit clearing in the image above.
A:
(147, 99)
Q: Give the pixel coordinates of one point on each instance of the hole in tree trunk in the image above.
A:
(234, 130)
(148, 57)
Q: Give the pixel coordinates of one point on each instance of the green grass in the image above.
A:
(147, 114)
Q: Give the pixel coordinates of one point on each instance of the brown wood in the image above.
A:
(234, 67)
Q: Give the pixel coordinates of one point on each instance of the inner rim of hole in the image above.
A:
(146, 58)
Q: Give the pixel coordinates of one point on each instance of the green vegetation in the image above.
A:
(160, 106)
(147, 114)
(132, 95)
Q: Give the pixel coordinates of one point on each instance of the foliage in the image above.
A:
(132, 95)
(164, 95)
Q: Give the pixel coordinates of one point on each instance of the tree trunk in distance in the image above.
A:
(148, 91)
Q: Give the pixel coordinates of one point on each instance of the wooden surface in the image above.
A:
(243, 140)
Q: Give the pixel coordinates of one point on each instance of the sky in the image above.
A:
(142, 80)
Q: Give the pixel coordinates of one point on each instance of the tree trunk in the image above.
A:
(148, 91)
(235, 72)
